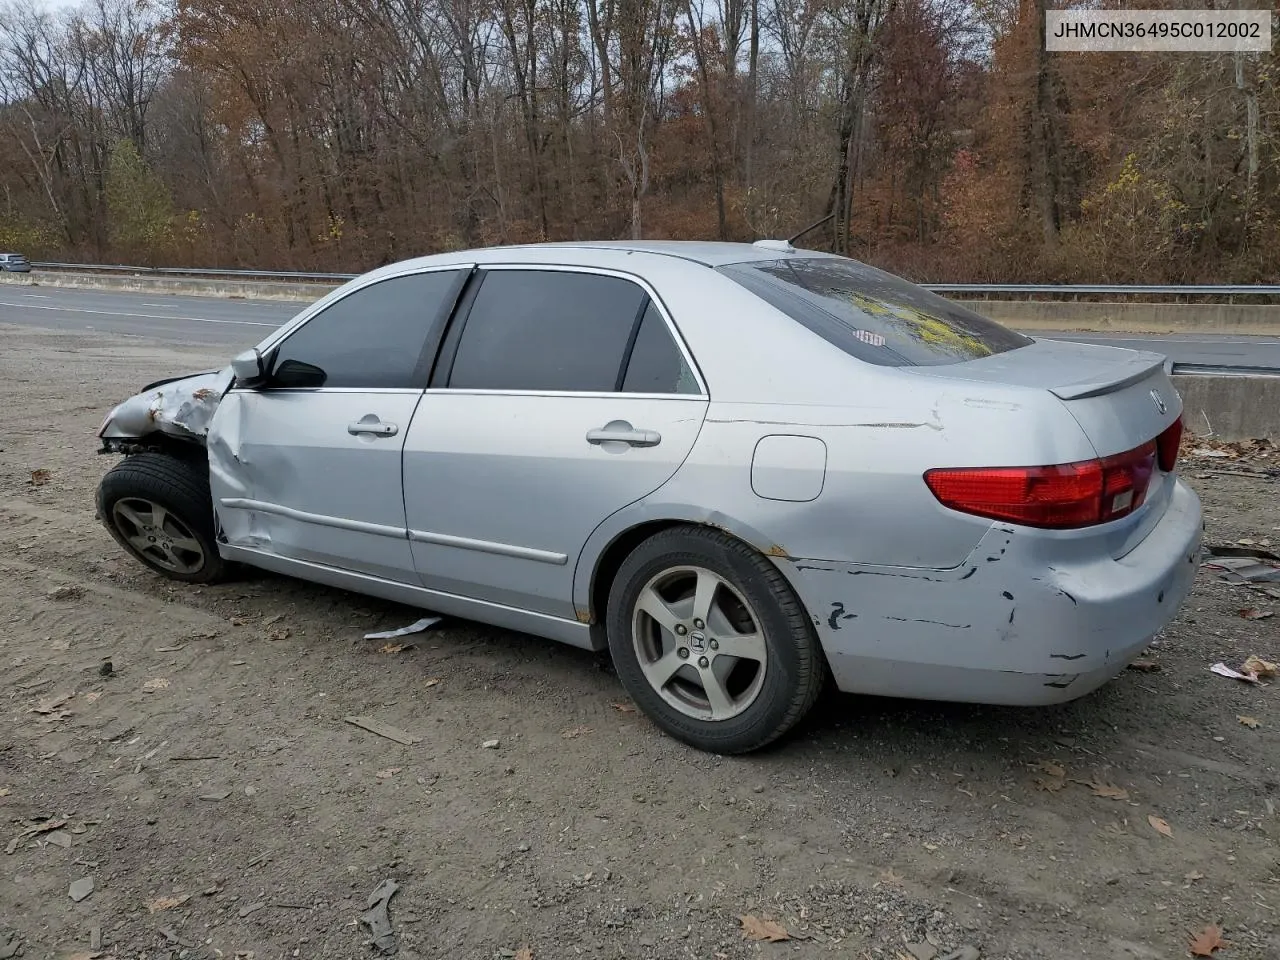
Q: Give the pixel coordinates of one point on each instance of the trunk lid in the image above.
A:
(1121, 398)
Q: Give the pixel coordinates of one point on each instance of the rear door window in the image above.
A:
(874, 315)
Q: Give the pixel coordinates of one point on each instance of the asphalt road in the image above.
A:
(238, 324)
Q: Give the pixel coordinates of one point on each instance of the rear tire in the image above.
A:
(159, 508)
(711, 642)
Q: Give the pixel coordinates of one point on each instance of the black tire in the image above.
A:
(794, 670)
(181, 488)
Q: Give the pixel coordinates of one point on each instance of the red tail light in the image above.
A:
(1058, 497)
(1169, 444)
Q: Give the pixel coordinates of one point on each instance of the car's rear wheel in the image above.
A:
(158, 507)
(711, 642)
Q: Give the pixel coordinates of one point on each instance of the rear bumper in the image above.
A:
(1026, 620)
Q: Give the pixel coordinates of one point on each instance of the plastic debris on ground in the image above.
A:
(424, 624)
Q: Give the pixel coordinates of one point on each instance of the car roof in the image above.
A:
(599, 252)
(711, 253)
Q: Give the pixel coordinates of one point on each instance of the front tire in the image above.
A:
(711, 642)
(159, 508)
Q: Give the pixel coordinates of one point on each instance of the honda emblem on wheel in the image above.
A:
(697, 642)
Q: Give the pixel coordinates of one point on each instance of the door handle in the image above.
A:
(624, 433)
(373, 427)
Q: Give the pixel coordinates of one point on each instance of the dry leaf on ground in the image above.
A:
(1055, 776)
(156, 683)
(1146, 666)
(1263, 669)
(388, 773)
(1251, 613)
(166, 903)
(624, 708)
(1108, 791)
(433, 682)
(1253, 723)
(1207, 940)
(524, 953)
(5, 791)
(396, 647)
(281, 634)
(753, 928)
(574, 732)
(39, 478)
(1160, 825)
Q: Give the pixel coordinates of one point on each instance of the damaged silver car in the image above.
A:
(745, 470)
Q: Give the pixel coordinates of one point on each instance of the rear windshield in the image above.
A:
(874, 315)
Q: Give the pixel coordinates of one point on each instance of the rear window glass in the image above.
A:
(874, 315)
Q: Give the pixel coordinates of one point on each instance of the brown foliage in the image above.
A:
(347, 133)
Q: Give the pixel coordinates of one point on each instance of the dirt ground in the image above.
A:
(222, 807)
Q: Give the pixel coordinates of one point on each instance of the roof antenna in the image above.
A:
(812, 226)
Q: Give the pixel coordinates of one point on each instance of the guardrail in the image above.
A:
(196, 272)
(1016, 289)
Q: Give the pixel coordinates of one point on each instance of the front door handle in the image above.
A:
(370, 425)
(622, 432)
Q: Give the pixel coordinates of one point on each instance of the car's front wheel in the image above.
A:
(158, 507)
(711, 642)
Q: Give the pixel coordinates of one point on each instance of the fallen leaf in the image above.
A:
(1108, 791)
(51, 706)
(1263, 669)
(156, 683)
(1146, 666)
(281, 634)
(167, 903)
(1207, 940)
(39, 478)
(1052, 769)
(1251, 613)
(1193, 876)
(396, 647)
(1251, 722)
(388, 773)
(524, 953)
(239, 621)
(5, 791)
(624, 708)
(574, 732)
(753, 928)
(1160, 825)
(434, 681)
(93, 696)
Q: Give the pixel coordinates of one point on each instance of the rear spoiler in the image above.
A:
(1138, 369)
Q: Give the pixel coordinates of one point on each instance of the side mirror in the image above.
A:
(250, 369)
(299, 375)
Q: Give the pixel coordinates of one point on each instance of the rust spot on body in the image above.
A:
(582, 616)
(777, 551)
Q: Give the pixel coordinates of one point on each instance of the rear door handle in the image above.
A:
(372, 426)
(621, 432)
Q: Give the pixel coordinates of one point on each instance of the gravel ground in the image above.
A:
(221, 806)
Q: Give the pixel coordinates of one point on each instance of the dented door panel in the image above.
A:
(289, 477)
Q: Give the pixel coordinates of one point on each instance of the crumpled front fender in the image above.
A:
(180, 408)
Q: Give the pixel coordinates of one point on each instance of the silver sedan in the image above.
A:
(744, 469)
